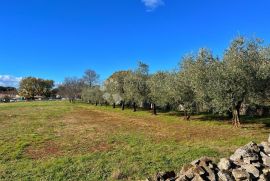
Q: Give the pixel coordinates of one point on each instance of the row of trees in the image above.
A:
(201, 83)
(74, 87)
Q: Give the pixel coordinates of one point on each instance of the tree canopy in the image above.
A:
(30, 87)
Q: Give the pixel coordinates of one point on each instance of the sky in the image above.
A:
(54, 39)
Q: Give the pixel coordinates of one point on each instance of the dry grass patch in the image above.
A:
(48, 149)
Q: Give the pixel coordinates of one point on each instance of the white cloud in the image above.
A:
(9, 80)
(57, 84)
(152, 4)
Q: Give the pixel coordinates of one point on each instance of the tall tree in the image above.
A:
(158, 86)
(71, 88)
(114, 85)
(197, 70)
(181, 93)
(90, 77)
(30, 87)
(44, 87)
(135, 85)
(239, 76)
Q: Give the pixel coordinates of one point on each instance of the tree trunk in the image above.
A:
(134, 107)
(154, 109)
(236, 115)
(168, 107)
(113, 105)
(123, 105)
(187, 116)
(96, 103)
(198, 107)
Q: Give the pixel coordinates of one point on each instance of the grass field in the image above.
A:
(63, 141)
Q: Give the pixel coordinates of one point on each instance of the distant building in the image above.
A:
(8, 93)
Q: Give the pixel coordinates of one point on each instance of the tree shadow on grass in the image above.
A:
(200, 116)
(246, 121)
(263, 121)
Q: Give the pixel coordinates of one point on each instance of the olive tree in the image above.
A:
(135, 85)
(197, 70)
(93, 95)
(114, 85)
(241, 77)
(158, 86)
(181, 93)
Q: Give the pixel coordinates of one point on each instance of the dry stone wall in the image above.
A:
(250, 162)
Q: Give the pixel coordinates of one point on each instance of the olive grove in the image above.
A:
(201, 83)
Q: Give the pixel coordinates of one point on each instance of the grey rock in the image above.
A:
(185, 168)
(189, 174)
(262, 178)
(265, 146)
(206, 160)
(240, 174)
(253, 147)
(224, 164)
(265, 159)
(266, 171)
(239, 163)
(211, 166)
(252, 170)
(162, 176)
(251, 157)
(182, 178)
(249, 152)
(263, 154)
(198, 178)
(198, 170)
(238, 154)
(250, 162)
(210, 173)
(223, 176)
(257, 164)
(195, 162)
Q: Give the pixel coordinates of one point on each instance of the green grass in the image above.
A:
(63, 141)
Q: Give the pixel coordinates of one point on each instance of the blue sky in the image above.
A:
(54, 39)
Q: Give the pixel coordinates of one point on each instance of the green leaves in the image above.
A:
(159, 88)
(31, 86)
(203, 82)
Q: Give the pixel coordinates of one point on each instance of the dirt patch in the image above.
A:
(48, 149)
(92, 125)
(88, 130)
(101, 147)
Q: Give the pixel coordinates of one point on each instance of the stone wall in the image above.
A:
(250, 162)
